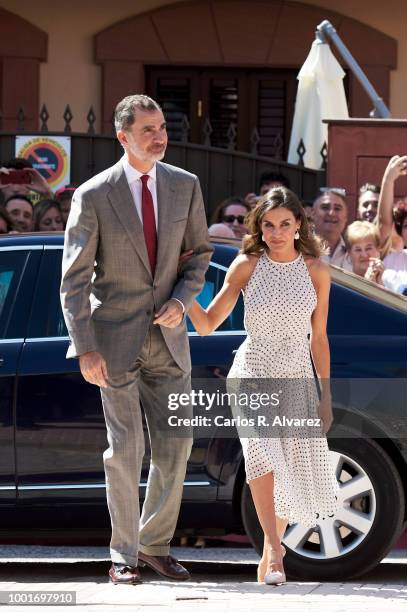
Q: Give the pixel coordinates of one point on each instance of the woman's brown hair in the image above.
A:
(399, 214)
(42, 208)
(279, 197)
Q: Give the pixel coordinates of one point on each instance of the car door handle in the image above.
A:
(234, 351)
(1, 361)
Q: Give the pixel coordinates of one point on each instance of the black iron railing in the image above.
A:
(222, 171)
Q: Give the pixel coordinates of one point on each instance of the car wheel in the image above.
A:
(360, 534)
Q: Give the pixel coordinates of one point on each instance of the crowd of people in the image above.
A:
(374, 246)
(31, 206)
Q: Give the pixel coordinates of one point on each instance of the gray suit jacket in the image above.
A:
(108, 294)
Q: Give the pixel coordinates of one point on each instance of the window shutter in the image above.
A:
(223, 109)
(271, 115)
(173, 95)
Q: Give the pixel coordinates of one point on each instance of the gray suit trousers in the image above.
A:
(153, 375)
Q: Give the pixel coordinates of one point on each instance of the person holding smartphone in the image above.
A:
(17, 176)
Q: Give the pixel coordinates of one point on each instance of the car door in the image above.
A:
(60, 431)
(18, 269)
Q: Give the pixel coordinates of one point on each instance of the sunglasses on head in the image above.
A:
(338, 190)
(232, 218)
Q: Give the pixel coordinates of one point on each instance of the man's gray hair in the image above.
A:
(125, 111)
(337, 191)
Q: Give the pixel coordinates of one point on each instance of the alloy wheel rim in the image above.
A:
(337, 536)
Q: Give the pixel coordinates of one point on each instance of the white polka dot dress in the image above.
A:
(279, 300)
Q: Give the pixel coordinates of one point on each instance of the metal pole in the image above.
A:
(326, 29)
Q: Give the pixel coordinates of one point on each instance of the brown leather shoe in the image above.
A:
(124, 574)
(167, 567)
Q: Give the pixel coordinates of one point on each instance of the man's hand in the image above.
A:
(169, 315)
(22, 190)
(93, 368)
(4, 171)
(39, 184)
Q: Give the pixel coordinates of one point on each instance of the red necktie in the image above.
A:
(150, 232)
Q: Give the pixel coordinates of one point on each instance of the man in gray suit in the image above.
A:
(124, 301)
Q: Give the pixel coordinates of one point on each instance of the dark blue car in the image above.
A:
(52, 432)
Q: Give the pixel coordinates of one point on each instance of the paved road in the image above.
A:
(222, 581)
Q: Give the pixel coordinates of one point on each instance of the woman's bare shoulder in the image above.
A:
(242, 268)
(248, 259)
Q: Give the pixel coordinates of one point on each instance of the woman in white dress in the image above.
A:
(286, 292)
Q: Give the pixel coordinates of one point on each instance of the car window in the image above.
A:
(46, 319)
(11, 268)
(6, 278)
(369, 288)
(214, 278)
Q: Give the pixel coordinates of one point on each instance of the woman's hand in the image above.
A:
(375, 270)
(396, 167)
(325, 412)
(207, 320)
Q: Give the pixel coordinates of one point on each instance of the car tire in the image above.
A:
(383, 505)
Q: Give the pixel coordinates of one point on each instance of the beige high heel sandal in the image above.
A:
(276, 576)
(283, 551)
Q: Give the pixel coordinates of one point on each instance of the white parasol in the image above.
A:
(320, 95)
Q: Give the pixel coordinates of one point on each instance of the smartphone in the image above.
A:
(15, 177)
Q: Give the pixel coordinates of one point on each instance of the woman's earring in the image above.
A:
(262, 238)
(297, 235)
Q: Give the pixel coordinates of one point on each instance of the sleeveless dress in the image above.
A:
(279, 300)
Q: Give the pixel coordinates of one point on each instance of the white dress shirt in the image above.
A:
(133, 177)
(339, 257)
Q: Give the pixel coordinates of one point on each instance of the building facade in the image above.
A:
(229, 61)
